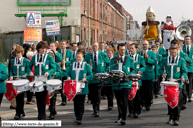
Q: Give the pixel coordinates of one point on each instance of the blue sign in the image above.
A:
(52, 28)
(31, 19)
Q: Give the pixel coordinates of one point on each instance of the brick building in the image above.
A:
(103, 20)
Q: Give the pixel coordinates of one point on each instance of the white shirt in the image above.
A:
(20, 59)
(172, 58)
(123, 57)
(128, 52)
(133, 55)
(40, 57)
(187, 48)
(79, 64)
(96, 56)
(145, 51)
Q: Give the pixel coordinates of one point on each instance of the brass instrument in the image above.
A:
(183, 31)
(64, 57)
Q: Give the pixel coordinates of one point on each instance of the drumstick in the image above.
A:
(164, 73)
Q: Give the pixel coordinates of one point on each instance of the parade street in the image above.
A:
(155, 118)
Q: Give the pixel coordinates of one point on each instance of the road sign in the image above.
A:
(33, 19)
(32, 36)
(52, 27)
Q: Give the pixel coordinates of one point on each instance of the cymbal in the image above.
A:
(116, 59)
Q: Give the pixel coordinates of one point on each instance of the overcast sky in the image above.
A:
(176, 8)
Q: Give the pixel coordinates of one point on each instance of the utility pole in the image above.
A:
(102, 22)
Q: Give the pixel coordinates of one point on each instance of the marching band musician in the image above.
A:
(102, 47)
(53, 46)
(56, 75)
(98, 60)
(161, 50)
(156, 84)
(46, 69)
(84, 75)
(139, 63)
(121, 91)
(19, 69)
(67, 57)
(74, 49)
(188, 49)
(3, 77)
(179, 73)
(108, 90)
(148, 76)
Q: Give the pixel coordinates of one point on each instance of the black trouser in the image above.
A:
(29, 96)
(184, 94)
(62, 94)
(79, 106)
(1, 97)
(134, 105)
(156, 86)
(146, 93)
(53, 105)
(175, 112)
(189, 86)
(122, 102)
(20, 104)
(110, 95)
(41, 103)
(103, 93)
(95, 95)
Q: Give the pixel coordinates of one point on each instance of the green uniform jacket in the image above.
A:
(149, 73)
(49, 66)
(103, 60)
(161, 51)
(23, 69)
(58, 71)
(69, 57)
(3, 77)
(128, 68)
(157, 65)
(86, 73)
(190, 60)
(179, 70)
(126, 53)
(139, 63)
(59, 57)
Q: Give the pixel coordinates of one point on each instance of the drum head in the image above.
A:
(54, 82)
(169, 83)
(36, 84)
(20, 82)
(10, 81)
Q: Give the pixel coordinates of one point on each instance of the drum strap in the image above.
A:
(77, 70)
(21, 64)
(172, 66)
(40, 63)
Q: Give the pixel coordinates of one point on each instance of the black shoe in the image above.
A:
(156, 96)
(88, 101)
(96, 114)
(130, 115)
(118, 121)
(135, 115)
(51, 117)
(147, 108)
(79, 122)
(0, 118)
(110, 108)
(63, 103)
(23, 114)
(17, 117)
(170, 121)
(123, 122)
(176, 122)
(104, 98)
(40, 119)
(11, 107)
(183, 107)
(189, 100)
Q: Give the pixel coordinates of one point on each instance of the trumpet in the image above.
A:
(64, 57)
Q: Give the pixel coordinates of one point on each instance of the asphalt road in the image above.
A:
(155, 118)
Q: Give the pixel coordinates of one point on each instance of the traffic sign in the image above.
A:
(52, 27)
(33, 19)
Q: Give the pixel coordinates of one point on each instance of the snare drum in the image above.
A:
(21, 85)
(117, 75)
(101, 76)
(53, 84)
(169, 83)
(36, 86)
(134, 77)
